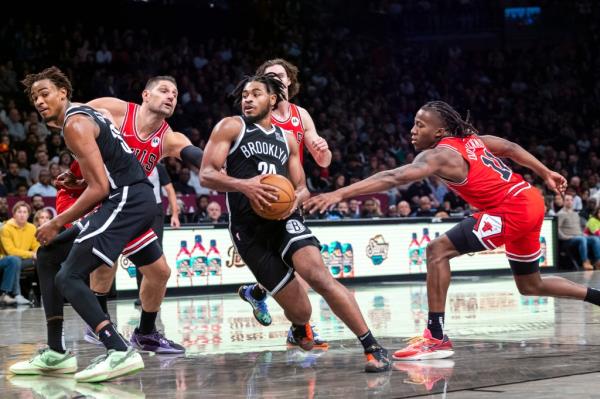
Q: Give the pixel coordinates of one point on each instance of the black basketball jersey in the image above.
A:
(255, 152)
(120, 163)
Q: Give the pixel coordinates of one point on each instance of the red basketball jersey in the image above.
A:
(489, 181)
(148, 151)
(66, 197)
(294, 124)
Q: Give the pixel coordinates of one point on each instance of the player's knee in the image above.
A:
(529, 289)
(158, 272)
(437, 251)
(61, 281)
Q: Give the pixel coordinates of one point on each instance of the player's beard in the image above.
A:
(258, 117)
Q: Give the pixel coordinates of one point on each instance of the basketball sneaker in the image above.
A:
(428, 373)
(155, 342)
(425, 348)
(46, 361)
(377, 359)
(91, 337)
(301, 337)
(318, 341)
(111, 365)
(259, 308)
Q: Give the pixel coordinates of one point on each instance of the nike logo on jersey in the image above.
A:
(252, 130)
(113, 196)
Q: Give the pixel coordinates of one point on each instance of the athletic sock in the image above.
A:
(147, 322)
(258, 293)
(435, 324)
(592, 296)
(111, 338)
(55, 335)
(102, 300)
(367, 340)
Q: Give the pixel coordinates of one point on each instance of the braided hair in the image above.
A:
(270, 80)
(451, 119)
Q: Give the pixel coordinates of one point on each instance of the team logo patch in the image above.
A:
(155, 142)
(295, 121)
(294, 226)
(489, 226)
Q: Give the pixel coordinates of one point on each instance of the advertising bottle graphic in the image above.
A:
(198, 260)
(336, 259)
(425, 240)
(325, 254)
(182, 263)
(213, 258)
(543, 257)
(348, 260)
(414, 253)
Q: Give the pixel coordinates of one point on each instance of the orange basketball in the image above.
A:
(286, 195)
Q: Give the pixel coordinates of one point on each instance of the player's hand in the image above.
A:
(292, 209)
(47, 232)
(320, 144)
(69, 181)
(321, 202)
(556, 182)
(260, 195)
(175, 221)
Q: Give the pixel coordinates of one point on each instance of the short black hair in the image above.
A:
(54, 75)
(454, 124)
(155, 79)
(270, 80)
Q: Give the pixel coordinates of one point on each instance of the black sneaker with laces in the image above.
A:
(302, 336)
(377, 359)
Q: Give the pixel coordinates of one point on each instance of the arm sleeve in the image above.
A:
(192, 155)
(163, 175)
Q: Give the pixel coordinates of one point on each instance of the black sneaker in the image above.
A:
(377, 359)
(301, 337)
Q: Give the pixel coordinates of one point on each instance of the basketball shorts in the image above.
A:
(516, 224)
(124, 215)
(147, 247)
(267, 248)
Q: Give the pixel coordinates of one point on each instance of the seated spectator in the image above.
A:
(392, 211)
(341, 211)
(201, 205)
(354, 208)
(441, 215)
(181, 185)
(13, 178)
(569, 230)
(425, 209)
(4, 216)
(404, 210)
(215, 214)
(21, 192)
(371, 209)
(43, 163)
(37, 204)
(593, 224)
(41, 217)
(43, 187)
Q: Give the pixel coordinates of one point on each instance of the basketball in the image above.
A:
(286, 195)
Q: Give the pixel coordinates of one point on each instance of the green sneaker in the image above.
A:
(55, 387)
(111, 365)
(46, 361)
(259, 308)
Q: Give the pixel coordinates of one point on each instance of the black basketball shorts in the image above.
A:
(267, 248)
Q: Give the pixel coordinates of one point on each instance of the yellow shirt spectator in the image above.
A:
(18, 235)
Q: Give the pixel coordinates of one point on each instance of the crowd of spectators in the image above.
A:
(362, 88)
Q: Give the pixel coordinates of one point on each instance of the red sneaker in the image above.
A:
(425, 348)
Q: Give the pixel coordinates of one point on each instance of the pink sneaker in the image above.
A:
(425, 348)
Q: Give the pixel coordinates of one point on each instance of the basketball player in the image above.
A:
(115, 178)
(511, 212)
(297, 120)
(250, 146)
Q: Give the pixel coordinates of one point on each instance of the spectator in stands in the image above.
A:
(13, 178)
(181, 184)
(438, 189)
(354, 207)
(425, 209)
(215, 215)
(16, 129)
(41, 217)
(371, 209)
(64, 161)
(43, 163)
(201, 212)
(37, 204)
(23, 163)
(404, 210)
(569, 230)
(557, 205)
(392, 211)
(592, 227)
(10, 288)
(43, 187)
(21, 192)
(4, 216)
(18, 239)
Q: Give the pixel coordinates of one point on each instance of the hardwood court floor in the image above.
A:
(506, 346)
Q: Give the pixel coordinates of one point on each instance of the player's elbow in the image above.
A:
(206, 177)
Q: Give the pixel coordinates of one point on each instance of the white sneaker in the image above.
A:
(46, 361)
(6, 299)
(111, 365)
(21, 300)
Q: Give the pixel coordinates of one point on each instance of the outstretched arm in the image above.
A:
(507, 149)
(116, 107)
(425, 164)
(316, 145)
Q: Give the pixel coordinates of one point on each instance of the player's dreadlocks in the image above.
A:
(453, 122)
(270, 80)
